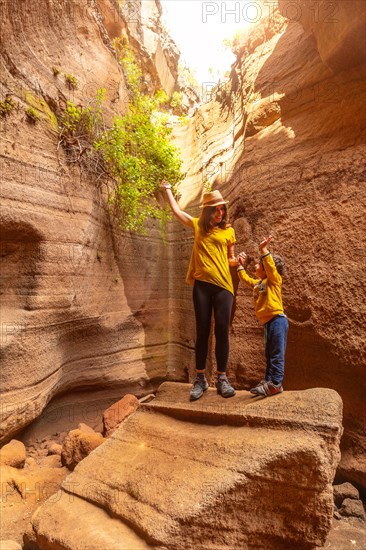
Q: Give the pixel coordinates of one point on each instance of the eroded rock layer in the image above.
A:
(74, 289)
(285, 143)
(86, 306)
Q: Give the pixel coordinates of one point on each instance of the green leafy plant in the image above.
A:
(207, 186)
(56, 70)
(71, 81)
(133, 155)
(32, 115)
(161, 97)
(176, 103)
(183, 120)
(7, 106)
(79, 127)
(139, 155)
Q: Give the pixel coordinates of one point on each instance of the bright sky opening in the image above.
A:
(199, 28)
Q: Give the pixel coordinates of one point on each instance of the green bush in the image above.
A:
(71, 81)
(7, 106)
(177, 99)
(32, 115)
(188, 77)
(132, 156)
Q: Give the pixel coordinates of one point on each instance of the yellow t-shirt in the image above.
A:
(209, 259)
(266, 292)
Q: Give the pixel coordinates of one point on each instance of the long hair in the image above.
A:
(205, 219)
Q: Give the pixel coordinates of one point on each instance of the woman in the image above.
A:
(209, 273)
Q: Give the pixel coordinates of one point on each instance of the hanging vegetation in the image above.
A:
(133, 155)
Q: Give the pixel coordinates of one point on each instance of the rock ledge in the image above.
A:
(245, 472)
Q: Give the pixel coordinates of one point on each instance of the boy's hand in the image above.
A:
(241, 258)
(263, 244)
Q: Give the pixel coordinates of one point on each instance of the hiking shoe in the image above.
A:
(254, 390)
(224, 387)
(199, 386)
(267, 389)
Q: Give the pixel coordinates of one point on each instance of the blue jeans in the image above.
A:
(275, 338)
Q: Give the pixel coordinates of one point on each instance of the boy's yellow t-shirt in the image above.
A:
(266, 292)
(209, 259)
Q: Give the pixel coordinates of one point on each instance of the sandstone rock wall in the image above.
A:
(338, 28)
(83, 305)
(286, 145)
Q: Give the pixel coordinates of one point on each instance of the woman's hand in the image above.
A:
(233, 261)
(241, 258)
(231, 255)
(165, 185)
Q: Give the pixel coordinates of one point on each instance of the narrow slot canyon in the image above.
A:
(100, 445)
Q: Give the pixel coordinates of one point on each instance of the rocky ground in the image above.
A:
(33, 469)
(16, 511)
(34, 466)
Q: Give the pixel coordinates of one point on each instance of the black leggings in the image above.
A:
(205, 297)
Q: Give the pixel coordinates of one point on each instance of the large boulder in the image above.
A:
(13, 454)
(247, 472)
(118, 412)
(77, 445)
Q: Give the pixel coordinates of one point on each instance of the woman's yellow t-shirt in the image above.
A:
(209, 259)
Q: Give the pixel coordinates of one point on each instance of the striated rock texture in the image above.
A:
(338, 28)
(285, 143)
(174, 470)
(84, 306)
(81, 305)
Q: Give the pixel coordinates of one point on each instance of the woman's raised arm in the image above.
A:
(182, 216)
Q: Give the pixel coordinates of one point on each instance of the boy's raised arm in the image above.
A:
(267, 260)
(241, 260)
(263, 245)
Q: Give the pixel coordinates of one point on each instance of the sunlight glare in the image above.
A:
(199, 28)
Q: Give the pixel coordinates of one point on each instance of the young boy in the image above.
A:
(269, 310)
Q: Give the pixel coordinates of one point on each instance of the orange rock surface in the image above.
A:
(85, 306)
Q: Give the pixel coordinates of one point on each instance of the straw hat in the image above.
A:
(214, 198)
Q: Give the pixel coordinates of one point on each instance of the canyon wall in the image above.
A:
(86, 306)
(74, 289)
(285, 143)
